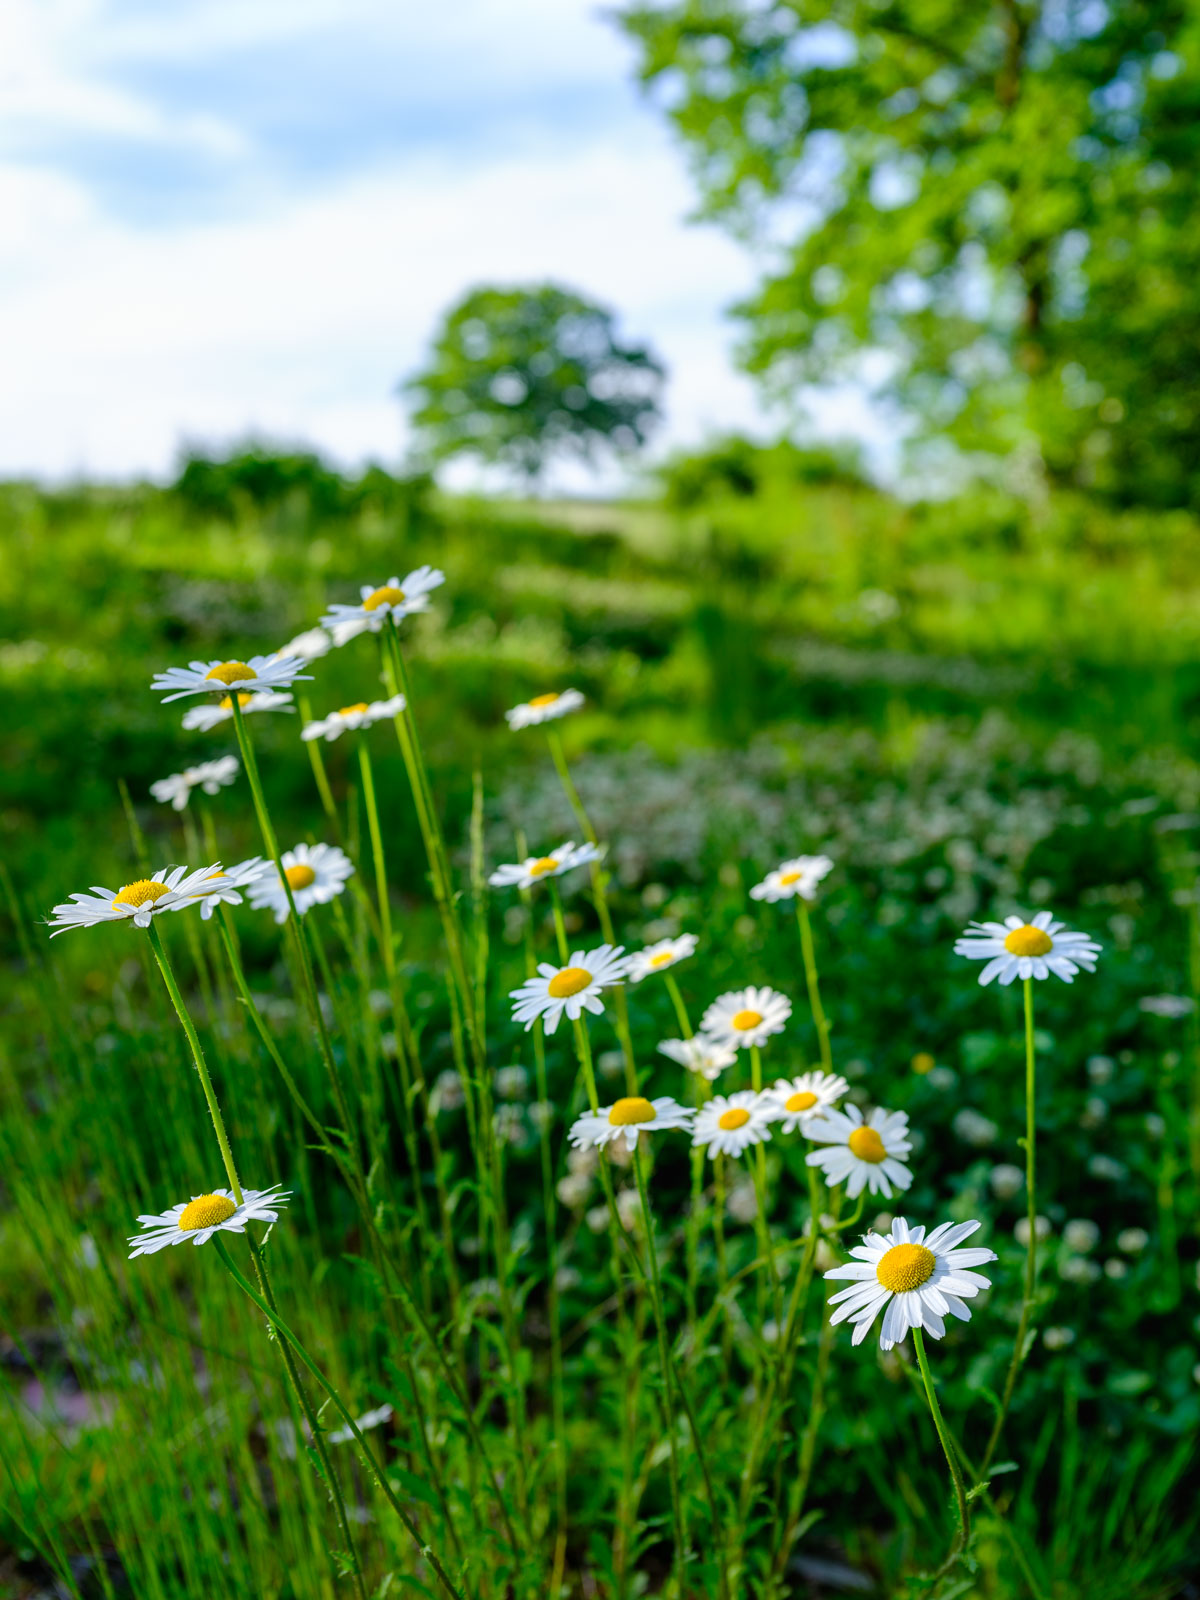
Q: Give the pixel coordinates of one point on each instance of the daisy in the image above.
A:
(861, 1151)
(746, 1017)
(211, 776)
(222, 887)
(524, 874)
(629, 1116)
(168, 890)
(542, 708)
(1018, 949)
(799, 876)
(202, 677)
(575, 988)
(700, 1055)
(728, 1124)
(923, 1279)
(360, 715)
(797, 1101)
(205, 717)
(315, 875)
(203, 1215)
(658, 957)
(396, 598)
(309, 645)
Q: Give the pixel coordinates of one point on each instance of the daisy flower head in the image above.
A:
(730, 1123)
(397, 598)
(524, 874)
(211, 776)
(1015, 948)
(658, 957)
(630, 1116)
(315, 873)
(203, 1215)
(310, 645)
(745, 1017)
(543, 708)
(359, 715)
(798, 1100)
(575, 988)
(223, 677)
(224, 887)
(920, 1280)
(700, 1055)
(205, 717)
(861, 1152)
(799, 876)
(169, 890)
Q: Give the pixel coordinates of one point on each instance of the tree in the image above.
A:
(998, 197)
(520, 374)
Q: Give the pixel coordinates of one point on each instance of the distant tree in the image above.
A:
(519, 375)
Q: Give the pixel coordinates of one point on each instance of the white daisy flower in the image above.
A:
(524, 874)
(223, 887)
(920, 1280)
(798, 1100)
(203, 1215)
(205, 717)
(799, 876)
(730, 1123)
(1018, 949)
(542, 708)
(699, 1054)
(309, 645)
(203, 677)
(629, 1116)
(168, 890)
(360, 715)
(575, 988)
(658, 957)
(316, 874)
(746, 1017)
(861, 1151)
(211, 776)
(396, 598)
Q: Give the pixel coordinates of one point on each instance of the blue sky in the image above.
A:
(232, 217)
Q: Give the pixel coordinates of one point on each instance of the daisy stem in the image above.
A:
(960, 1487)
(722, 1259)
(317, 762)
(685, 1026)
(820, 1021)
(193, 1039)
(766, 1248)
(560, 923)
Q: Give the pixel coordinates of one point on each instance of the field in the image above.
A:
(975, 708)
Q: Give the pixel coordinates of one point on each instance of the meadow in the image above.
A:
(536, 1368)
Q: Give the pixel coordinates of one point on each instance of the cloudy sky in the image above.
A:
(234, 216)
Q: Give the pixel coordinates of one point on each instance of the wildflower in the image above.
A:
(309, 645)
(799, 876)
(211, 776)
(203, 1215)
(315, 875)
(542, 708)
(1058, 1338)
(746, 1017)
(352, 717)
(1017, 949)
(447, 1093)
(512, 1083)
(1080, 1235)
(920, 1280)
(1006, 1180)
(862, 1151)
(1041, 1228)
(972, 1127)
(1132, 1240)
(699, 1054)
(203, 677)
(396, 598)
(728, 1124)
(524, 874)
(630, 1116)
(205, 717)
(169, 890)
(369, 1419)
(223, 887)
(1171, 1006)
(575, 988)
(797, 1101)
(1115, 1268)
(658, 957)
(923, 1063)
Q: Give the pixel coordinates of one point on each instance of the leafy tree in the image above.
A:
(994, 201)
(520, 374)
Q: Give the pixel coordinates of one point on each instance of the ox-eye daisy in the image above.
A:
(524, 874)
(861, 1152)
(223, 887)
(543, 708)
(168, 890)
(629, 1116)
(398, 598)
(920, 1280)
(658, 957)
(700, 1055)
(1018, 949)
(800, 876)
(211, 776)
(203, 677)
(197, 1219)
(797, 1101)
(575, 988)
(310, 645)
(729, 1123)
(360, 715)
(746, 1017)
(315, 875)
(205, 717)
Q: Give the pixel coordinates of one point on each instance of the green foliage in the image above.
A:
(740, 466)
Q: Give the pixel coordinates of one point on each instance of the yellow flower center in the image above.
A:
(802, 1100)
(735, 1117)
(543, 865)
(743, 1021)
(923, 1062)
(1028, 941)
(630, 1110)
(301, 876)
(387, 596)
(568, 982)
(663, 958)
(544, 699)
(205, 1212)
(787, 879)
(226, 702)
(140, 893)
(349, 711)
(906, 1266)
(867, 1145)
(231, 672)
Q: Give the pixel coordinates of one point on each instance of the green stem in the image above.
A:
(685, 1026)
(820, 1021)
(766, 1248)
(960, 1488)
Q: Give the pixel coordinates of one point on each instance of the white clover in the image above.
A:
(524, 874)
(860, 1151)
(223, 677)
(349, 718)
(631, 1116)
(543, 708)
(746, 1017)
(700, 1054)
(1018, 949)
(224, 886)
(205, 717)
(920, 1280)
(797, 1101)
(799, 876)
(658, 957)
(397, 598)
(315, 873)
(197, 1219)
(169, 890)
(211, 776)
(575, 988)
(309, 645)
(728, 1124)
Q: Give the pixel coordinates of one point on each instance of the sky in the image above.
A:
(225, 218)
